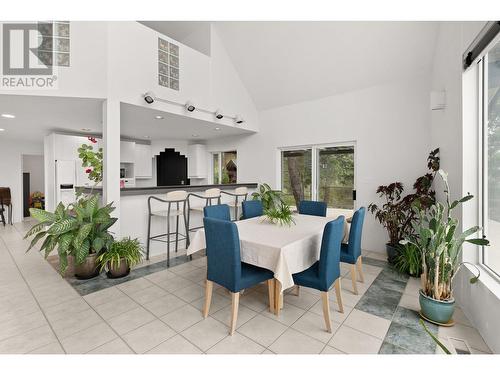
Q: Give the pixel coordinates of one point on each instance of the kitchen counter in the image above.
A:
(154, 190)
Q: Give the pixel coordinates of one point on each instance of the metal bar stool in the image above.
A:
(173, 197)
(241, 192)
(209, 196)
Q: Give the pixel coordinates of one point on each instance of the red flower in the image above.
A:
(92, 139)
(88, 170)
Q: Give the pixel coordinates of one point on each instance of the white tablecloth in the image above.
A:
(281, 249)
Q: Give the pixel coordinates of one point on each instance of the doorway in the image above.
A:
(33, 183)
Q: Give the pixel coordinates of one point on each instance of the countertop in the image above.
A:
(153, 190)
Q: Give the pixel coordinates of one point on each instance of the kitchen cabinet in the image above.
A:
(197, 161)
(127, 152)
(143, 161)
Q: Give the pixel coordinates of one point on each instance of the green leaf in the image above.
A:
(436, 340)
(92, 205)
(35, 229)
(59, 212)
(63, 226)
(97, 244)
(63, 263)
(82, 235)
(109, 224)
(82, 252)
(65, 242)
(37, 238)
(42, 215)
(478, 241)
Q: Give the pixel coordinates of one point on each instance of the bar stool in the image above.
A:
(241, 192)
(209, 195)
(174, 197)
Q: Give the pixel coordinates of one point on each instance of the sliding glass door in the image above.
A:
(324, 173)
(336, 176)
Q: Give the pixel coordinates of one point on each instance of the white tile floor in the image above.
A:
(160, 314)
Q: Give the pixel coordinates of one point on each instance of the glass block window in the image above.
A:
(168, 64)
(54, 47)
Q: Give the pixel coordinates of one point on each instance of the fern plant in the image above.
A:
(127, 250)
(78, 230)
(275, 208)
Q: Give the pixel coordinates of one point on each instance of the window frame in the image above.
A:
(212, 154)
(482, 128)
(315, 148)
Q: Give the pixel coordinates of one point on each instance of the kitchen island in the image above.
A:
(134, 211)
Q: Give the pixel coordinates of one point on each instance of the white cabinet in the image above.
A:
(143, 161)
(127, 152)
(197, 161)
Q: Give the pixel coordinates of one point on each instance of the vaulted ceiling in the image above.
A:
(283, 63)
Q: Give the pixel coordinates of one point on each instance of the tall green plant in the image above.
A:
(440, 245)
(79, 229)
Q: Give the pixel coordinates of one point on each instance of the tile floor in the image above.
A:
(159, 313)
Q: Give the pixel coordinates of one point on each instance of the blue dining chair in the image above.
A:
(313, 208)
(252, 208)
(326, 271)
(224, 266)
(351, 252)
(219, 211)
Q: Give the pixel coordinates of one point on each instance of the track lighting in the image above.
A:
(219, 115)
(149, 97)
(190, 107)
(238, 119)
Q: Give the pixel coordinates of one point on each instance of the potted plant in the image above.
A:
(275, 208)
(440, 246)
(397, 213)
(79, 230)
(120, 257)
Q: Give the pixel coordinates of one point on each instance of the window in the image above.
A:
(224, 167)
(168, 64)
(491, 157)
(324, 173)
(54, 49)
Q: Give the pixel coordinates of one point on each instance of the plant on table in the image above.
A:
(274, 206)
(121, 256)
(79, 230)
(397, 213)
(440, 245)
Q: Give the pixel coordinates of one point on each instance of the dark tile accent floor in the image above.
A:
(405, 334)
(84, 287)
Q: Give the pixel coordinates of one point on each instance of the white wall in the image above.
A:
(389, 123)
(11, 168)
(33, 164)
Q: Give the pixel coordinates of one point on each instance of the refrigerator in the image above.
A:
(65, 181)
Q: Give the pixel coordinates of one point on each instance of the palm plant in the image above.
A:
(440, 245)
(275, 208)
(127, 250)
(78, 230)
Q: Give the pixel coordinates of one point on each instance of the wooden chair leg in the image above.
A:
(359, 265)
(297, 290)
(353, 276)
(326, 311)
(270, 290)
(339, 295)
(235, 298)
(208, 297)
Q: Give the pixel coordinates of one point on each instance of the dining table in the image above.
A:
(283, 249)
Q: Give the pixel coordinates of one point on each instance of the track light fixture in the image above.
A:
(149, 97)
(238, 119)
(218, 115)
(190, 107)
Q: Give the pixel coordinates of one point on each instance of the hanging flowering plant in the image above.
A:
(92, 160)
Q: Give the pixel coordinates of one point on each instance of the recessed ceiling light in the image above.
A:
(217, 128)
(2, 130)
(158, 117)
(195, 135)
(86, 129)
(8, 115)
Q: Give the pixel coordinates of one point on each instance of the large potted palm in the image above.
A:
(79, 230)
(440, 245)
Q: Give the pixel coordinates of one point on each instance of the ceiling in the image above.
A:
(38, 116)
(138, 122)
(195, 34)
(283, 63)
